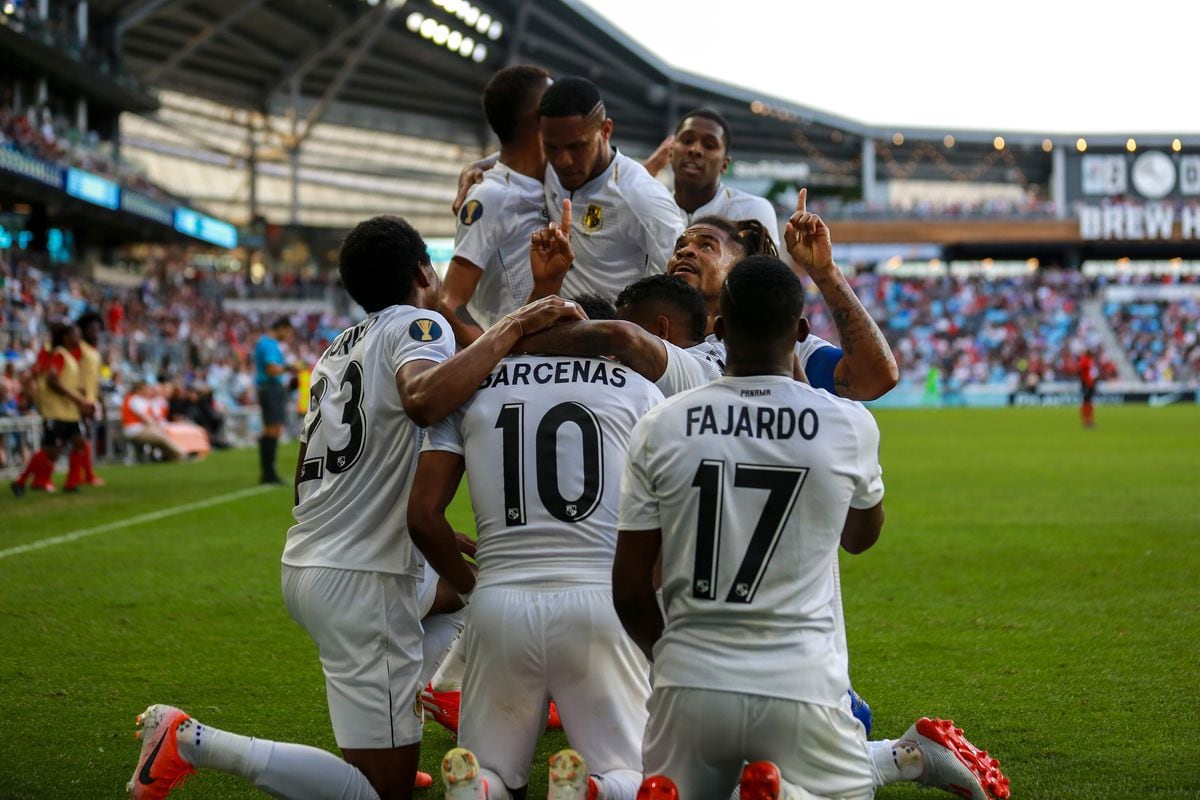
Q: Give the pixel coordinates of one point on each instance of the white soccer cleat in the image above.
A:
(461, 776)
(569, 779)
(954, 764)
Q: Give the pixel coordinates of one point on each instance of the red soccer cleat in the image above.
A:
(553, 722)
(954, 764)
(443, 707)
(760, 781)
(160, 768)
(424, 780)
(658, 787)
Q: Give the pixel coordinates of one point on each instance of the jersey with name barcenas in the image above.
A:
(495, 224)
(749, 480)
(624, 224)
(362, 447)
(734, 204)
(544, 440)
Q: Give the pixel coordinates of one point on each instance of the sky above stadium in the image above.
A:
(1036, 65)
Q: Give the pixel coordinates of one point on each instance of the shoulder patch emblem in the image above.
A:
(593, 218)
(471, 211)
(425, 330)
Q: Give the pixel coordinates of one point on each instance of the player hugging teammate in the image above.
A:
(642, 519)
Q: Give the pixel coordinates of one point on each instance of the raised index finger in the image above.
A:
(566, 219)
(802, 200)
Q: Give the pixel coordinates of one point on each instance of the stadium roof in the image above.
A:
(372, 64)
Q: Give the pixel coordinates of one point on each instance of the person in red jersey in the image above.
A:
(1089, 373)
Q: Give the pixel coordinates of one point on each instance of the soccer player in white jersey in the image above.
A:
(699, 156)
(863, 368)
(489, 273)
(350, 574)
(746, 488)
(541, 443)
(625, 220)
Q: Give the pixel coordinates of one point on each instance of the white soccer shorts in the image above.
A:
(701, 739)
(526, 645)
(368, 631)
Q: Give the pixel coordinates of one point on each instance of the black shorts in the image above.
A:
(58, 433)
(271, 398)
(1088, 393)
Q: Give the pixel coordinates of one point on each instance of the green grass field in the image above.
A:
(1035, 581)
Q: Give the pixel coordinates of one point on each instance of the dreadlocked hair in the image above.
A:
(750, 234)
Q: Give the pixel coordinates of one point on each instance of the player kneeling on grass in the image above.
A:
(350, 574)
(746, 487)
(541, 443)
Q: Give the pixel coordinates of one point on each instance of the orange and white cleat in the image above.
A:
(160, 767)
(442, 706)
(569, 778)
(760, 781)
(461, 776)
(954, 764)
(658, 787)
(423, 780)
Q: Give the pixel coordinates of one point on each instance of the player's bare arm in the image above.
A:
(633, 587)
(630, 344)
(862, 527)
(550, 255)
(437, 478)
(458, 287)
(867, 369)
(470, 175)
(660, 157)
(431, 391)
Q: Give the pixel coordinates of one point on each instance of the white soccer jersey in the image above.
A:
(750, 480)
(734, 204)
(362, 447)
(494, 227)
(714, 349)
(624, 224)
(544, 440)
(686, 369)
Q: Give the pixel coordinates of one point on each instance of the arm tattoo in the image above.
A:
(464, 316)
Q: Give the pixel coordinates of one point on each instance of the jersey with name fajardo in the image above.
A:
(361, 447)
(734, 205)
(624, 224)
(495, 224)
(544, 441)
(749, 480)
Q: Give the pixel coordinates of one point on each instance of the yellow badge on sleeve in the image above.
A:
(471, 211)
(425, 330)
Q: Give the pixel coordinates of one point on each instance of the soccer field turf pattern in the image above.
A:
(1035, 581)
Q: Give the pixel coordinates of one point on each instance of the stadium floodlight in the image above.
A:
(484, 22)
(998, 142)
(372, 2)
(414, 21)
(1131, 144)
(1047, 145)
(948, 140)
(395, 4)
(441, 35)
(495, 30)
(454, 40)
(1176, 145)
(468, 46)
(429, 27)
(480, 54)
(897, 138)
(471, 15)
(10, 9)
(1081, 144)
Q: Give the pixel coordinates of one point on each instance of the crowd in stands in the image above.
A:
(173, 335)
(1029, 208)
(176, 334)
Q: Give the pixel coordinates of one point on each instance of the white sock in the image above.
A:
(619, 784)
(281, 769)
(495, 787)
(441, 631)
(895, 760)
(449, 675)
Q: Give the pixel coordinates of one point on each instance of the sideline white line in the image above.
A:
(138, 520)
